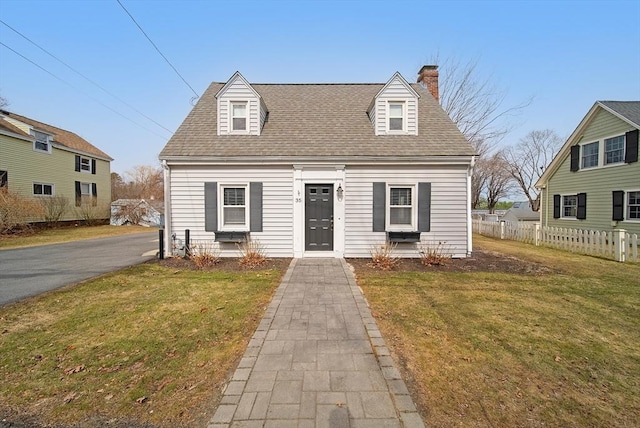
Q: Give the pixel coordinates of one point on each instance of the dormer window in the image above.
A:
(396, 116)
(42, 143)
(239, 115)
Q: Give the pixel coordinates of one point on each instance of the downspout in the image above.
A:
(469, 224)
(167, 209)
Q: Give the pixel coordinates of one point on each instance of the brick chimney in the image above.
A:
(428, 76)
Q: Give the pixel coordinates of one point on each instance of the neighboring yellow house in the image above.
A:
(48, 163)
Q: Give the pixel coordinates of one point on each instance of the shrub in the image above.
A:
(90, 213)
(434, 254)
(16, 211)
(204, 254)
(252, 254)
(54, 207)
(383, 257)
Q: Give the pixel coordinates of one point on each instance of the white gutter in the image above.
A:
(167, 208)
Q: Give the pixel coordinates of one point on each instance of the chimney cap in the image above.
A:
(428, 67)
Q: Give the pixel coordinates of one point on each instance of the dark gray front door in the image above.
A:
(318, 217)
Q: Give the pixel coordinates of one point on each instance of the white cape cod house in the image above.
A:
(320, 170)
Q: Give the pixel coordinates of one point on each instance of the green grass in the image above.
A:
(67, 234)
(149, 344)
(497, 349)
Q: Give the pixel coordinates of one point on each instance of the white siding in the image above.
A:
(187, 205)
(448, 208)
(239, 91)
(396, 90)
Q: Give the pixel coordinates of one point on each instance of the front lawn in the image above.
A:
(58, 235)
(147, 345)
(559, 346)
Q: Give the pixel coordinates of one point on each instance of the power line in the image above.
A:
(82, 92)
(82, 75)
(156, 47)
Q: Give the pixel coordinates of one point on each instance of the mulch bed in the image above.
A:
(480, 261)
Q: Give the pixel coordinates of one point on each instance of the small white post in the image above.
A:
(537, 234)
(620, 244)
(502, 229)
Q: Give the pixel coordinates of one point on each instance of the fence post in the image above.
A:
(502, 230)
(620, 244)
(537, 234)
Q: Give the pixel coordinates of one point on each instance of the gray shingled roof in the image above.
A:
(628, 109)
(316, 120)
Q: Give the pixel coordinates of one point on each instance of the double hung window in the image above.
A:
(234, 208)
(239, 116)
(569, 206)
(396, 116)
(614, 150)
(633, 205)
(402, 210)
(590, 154)
(42, 143)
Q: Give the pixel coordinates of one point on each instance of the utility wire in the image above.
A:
(161, 54)
(82, 92)
(82, 75)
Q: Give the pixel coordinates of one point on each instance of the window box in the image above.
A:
(403, 236)
(235, 237)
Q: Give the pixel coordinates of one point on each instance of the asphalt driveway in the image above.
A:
(30, 271)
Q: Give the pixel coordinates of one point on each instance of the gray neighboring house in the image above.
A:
(137, 211)
(320, 170)
(520, 212)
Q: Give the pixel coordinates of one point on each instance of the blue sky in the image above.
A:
(565, 54)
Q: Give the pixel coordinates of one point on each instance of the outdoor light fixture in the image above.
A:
(339, 192)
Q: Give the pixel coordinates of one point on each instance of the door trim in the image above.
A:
(318, 174)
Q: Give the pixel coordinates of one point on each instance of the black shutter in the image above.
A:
(581, 213)
(211, 207)
(379, 209)
(618, 205)
(78, 194)
(93, 166)
(424, 207)
(77, 163)
(631, 150)
(255, 205)
(556, 206)
(575, 158)
(94, 192)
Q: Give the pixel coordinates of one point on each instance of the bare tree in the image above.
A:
(140, 182)
(528, 159)
(476, 105)
(3, 102)
(499, 182)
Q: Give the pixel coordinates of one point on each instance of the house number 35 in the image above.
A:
(298, 200)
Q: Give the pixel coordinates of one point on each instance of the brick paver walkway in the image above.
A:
(317, 359)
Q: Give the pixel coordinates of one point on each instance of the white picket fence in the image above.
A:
(615, 244)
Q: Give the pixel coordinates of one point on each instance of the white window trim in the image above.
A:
(53, 189)
(601, 152)
(90, 170)
(626, 206)
(414, 209)
(48, 142)
(404, 117)
(603, 163)
(582, 146)
(233, 227)
(230, 108)
(90, 193)
(562, 216)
